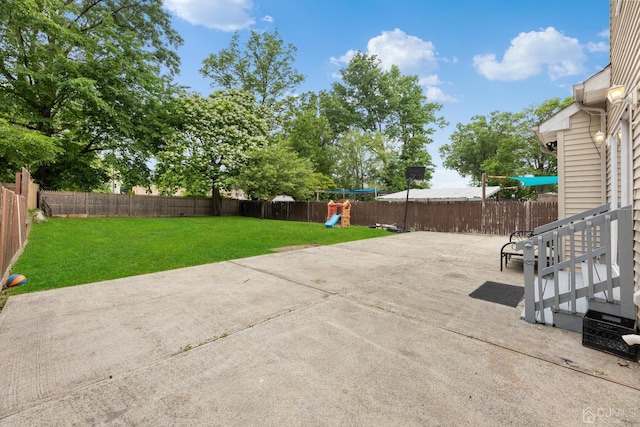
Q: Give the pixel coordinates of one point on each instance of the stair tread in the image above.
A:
(564, 280)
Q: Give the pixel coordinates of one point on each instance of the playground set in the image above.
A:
(338, 211)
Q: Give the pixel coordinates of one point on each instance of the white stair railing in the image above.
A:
(574, 247)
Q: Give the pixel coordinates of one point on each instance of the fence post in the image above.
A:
(486, 224)
(4, 229)
(13, 227)
(18, 183)
(529, 282)
(625, 260)
(25, 180)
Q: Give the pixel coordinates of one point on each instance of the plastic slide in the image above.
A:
(332, 221)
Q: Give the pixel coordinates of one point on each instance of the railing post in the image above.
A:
(529, 282)
(625, 262)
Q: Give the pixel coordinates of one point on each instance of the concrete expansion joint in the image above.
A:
(561, 362)
(404, 256)
(186, 348)
(270, 273)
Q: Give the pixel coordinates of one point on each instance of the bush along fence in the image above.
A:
(14, 227)
(73, 204)
(494, 217)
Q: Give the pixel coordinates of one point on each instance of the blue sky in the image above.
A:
(473, 56)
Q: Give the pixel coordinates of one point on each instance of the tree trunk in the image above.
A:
(217, 201)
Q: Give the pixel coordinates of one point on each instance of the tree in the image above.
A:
(264, 67)
(323, 182)
(360, 160)
(370, 99)
(89, 74)
(474, 146)
(537, 162)
(277, 169)
(363, 98)
(20, 147)
(212, 142)
(309, 132)
(501, 145)
(411, 116)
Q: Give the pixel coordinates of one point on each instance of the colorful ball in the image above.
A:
(16, 280)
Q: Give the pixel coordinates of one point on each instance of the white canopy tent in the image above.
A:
(281, 198)
(439, 194)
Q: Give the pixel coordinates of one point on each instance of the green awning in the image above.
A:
(534, 181)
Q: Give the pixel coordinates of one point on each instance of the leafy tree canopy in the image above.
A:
(21, 147)
(263, 66)
(309, 132)
(88, 73)
(212, 141)
(372, 100)
(502, 144)
(274, 170)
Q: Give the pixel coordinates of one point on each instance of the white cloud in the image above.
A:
(225, 15)
(344, 59)
(409, 53)
(412, 55)
(436, 94)
(602, 46)
(530, 53)
(267, 18)
(598, 47)
(431, 80)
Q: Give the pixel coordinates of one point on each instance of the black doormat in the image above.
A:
(500, 293)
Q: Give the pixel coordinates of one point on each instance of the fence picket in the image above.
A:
(14, 206)
(500, 217)
(497, 217)
(73, 204)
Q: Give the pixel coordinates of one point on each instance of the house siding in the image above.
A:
(625, 69)
(609, 174)
(580, 183)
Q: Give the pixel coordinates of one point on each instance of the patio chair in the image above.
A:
(552, 254)
(509, 249)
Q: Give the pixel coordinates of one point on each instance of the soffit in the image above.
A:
(593, 91)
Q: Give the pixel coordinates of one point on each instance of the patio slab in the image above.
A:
(55, 341)
(375, 332)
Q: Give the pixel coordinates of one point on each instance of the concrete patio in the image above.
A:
(373, 332)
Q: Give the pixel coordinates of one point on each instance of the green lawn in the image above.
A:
(66, 252)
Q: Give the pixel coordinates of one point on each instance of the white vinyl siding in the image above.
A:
(607, 152)
(625, 69)
(579, 167)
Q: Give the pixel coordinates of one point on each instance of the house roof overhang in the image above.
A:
(590, 93)
(593, 91)
(547, 131)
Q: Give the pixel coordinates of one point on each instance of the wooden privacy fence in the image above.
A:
(500, 218)
(14, 211)
(31, 194)
(455, 217)
(75, 204)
